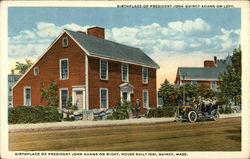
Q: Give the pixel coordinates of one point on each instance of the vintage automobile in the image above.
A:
(200, 112)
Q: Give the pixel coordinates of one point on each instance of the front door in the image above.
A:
(126, 90)
(78, 96)
(125, 96)
(79, 99)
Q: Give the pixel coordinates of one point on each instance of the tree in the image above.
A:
(191, 91)
(230, 88)
(173, 95)
(167, 92)
(206, 91)
(231, 84)
(50, 94)
(23, 67)
(236, 59)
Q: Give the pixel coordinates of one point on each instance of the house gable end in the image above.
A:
(30, 70)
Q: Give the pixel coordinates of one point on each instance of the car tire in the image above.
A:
(177, 117)
(192, 116)
(216, 116)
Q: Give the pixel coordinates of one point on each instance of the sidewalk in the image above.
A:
(100, 123)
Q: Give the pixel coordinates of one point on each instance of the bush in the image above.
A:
(164, 111)
(121, 111)
(33, 114)
(226, 110)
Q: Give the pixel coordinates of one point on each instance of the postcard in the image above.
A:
(125, 79)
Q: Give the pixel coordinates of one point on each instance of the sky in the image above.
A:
(172, 37)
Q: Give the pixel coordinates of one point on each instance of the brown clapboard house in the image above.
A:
(207, 75)
(97, 73)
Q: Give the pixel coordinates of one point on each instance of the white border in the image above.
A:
(244, 5)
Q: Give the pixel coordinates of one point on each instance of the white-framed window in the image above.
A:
(125, 72)
(27, 96)
(103, 98)
(145, 98)
(64, 93)
(64, 69)
(144, 75)
(103, 69)
(213, 84)
(193, 82)
(65, 41)
(36, 71)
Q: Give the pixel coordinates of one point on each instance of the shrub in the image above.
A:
(33, 114)
(164, 111)
(121, 111)
(50, 94)
(70, 105)
(226, 110)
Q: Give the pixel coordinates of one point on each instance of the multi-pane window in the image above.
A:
(144, 75)
(36, 71)
(213, 84)
(27, 96)
(64, 97)
(125, 72)
(103, 69)
(145, 99)
(64, 72)
(65, 42)
(103, 97)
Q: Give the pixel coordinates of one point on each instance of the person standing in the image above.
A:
(137, 108)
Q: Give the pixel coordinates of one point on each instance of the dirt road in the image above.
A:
(222, 135)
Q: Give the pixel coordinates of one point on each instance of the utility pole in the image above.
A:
(183, 78)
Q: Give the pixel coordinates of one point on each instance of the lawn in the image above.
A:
(222, 135)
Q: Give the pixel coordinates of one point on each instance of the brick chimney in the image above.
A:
(12, 72)
(215, 61)
(209, 63)
(96, 31)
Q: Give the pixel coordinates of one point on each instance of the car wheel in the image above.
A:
(192, 116)
(177, 117)
(216, 116)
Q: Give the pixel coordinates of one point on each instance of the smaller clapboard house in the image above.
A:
(207, 75)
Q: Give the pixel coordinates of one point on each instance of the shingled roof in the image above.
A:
(105, 48)
(202, 73)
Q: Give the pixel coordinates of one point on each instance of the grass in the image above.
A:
(222, 135)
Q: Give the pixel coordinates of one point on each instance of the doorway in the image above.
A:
(78, 97)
